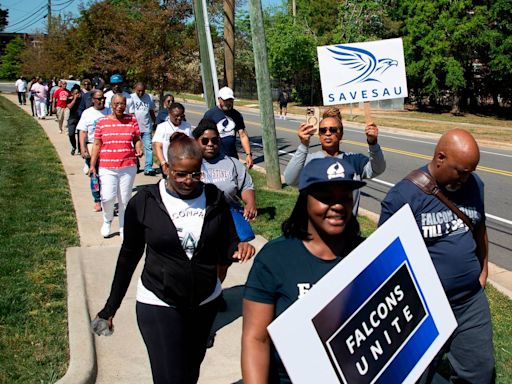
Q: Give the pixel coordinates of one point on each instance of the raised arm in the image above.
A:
(376, 165)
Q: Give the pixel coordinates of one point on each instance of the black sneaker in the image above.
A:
(73, 152)
(211, 340)
(150, 173)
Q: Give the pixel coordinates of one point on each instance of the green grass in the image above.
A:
(37, 224)
(275, 206)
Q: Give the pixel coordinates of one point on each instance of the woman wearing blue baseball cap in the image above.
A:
(319, 233)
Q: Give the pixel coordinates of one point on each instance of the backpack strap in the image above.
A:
(427, 184)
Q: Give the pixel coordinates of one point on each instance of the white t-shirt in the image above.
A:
(88, 121)
(188, 218)
(129, 104)
(21, 85)
(165, 130)
(141, 108)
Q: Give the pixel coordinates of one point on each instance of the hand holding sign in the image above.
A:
(380, 315)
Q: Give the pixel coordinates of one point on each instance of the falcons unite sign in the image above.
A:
(369, 71)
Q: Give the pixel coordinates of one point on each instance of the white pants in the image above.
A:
(40, 108)
(116, 183)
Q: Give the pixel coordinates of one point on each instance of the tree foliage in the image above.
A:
(10, 64)
(4, 14)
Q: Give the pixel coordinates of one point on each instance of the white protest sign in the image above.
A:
(368, 71)
(380, 315)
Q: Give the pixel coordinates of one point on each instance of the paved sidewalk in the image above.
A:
(122, 358)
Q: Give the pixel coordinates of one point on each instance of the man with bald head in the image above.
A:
(459, 254)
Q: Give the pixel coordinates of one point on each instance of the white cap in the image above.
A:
(226, 93)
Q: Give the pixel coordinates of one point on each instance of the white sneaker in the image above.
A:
(105, 229)
(85, 169)
(121, 232)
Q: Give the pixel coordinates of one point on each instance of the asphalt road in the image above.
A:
(403, 153)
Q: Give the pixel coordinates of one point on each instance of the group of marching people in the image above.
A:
(189, 226)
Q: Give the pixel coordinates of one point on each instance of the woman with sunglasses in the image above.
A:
(164, 108)
(227, 173)
(175, 122)
(185, 229)
(330, 134)
(115, 150)
(319, 233)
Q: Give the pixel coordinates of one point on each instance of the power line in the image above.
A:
(29, 24)
(63, 8)
(27, 17)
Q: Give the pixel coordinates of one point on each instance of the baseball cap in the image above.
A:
(116, 79)
(226, 93)
(329, 170)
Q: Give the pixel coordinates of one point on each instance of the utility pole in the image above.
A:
(264, 95)
(229, 42)
(49, 15)
(209, 93)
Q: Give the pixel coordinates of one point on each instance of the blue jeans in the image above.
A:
(470, 348)
(95, 194)
(148, 151)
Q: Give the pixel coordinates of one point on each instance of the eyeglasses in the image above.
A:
(178, 117)
(214, 140)
(86, 83)
(333, 130)
(100, 98)
(181, 176)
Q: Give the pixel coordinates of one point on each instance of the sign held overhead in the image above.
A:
(368, 71)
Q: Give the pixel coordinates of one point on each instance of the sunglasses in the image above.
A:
(182, 175)
(99, 98)
(214, 140)
(333, 130)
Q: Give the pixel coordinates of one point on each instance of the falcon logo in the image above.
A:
(363, 63)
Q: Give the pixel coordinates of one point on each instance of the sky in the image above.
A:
(29, 16)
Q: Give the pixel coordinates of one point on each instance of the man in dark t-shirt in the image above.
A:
(459, 255)
(230, 122)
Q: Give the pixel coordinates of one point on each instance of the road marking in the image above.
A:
(488, 215)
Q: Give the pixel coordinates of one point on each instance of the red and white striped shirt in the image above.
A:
(117, 148)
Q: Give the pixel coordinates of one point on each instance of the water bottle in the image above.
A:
(100, 327)
(95, 183)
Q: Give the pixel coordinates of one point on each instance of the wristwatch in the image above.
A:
(248, 154)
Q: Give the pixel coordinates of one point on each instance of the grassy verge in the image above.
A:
(37, 224)
(275, 206)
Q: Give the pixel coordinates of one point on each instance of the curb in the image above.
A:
(82, 367)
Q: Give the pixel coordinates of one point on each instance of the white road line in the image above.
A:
(390, 185)
(488, 215)
(279, 151)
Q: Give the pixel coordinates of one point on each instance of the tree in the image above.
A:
(292, 55)
(4, 14)
(443, 42)
(10, 66)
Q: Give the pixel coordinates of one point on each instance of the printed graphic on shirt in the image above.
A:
(216, 175)
(437, 224)
(186, 233)
(226, 127)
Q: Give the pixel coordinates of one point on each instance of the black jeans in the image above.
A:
(22, 98)
(176, 340)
